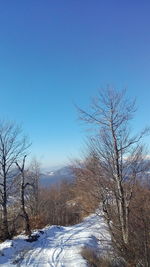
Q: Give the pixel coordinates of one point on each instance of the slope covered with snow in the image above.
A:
(56, 246)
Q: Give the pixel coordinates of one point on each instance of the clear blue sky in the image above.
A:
(56, 53)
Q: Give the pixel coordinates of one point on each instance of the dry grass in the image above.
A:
(95, 260)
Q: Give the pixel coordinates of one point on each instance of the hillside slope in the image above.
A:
(55, 177)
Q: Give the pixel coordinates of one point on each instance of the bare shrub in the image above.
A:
(57, 206)
(139, 226)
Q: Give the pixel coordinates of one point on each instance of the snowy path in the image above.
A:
(57, 246)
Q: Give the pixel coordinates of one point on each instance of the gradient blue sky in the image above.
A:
(56, 53)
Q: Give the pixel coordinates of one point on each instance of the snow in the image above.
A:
(57, 246)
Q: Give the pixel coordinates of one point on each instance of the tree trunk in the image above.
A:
(6, 234)
(22, 197)
(123, 210)
(25, 215)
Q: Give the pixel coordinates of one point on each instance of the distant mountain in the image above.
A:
(55, 177)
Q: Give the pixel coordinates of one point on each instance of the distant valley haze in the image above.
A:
(56, 176)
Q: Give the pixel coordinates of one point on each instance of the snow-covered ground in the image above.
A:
(56, 246)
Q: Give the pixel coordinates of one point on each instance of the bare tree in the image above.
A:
(121, 156)
(12, 146)
(23, 185)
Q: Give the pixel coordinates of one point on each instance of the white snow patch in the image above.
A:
(57, 246)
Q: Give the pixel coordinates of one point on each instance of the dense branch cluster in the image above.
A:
(116, 162)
